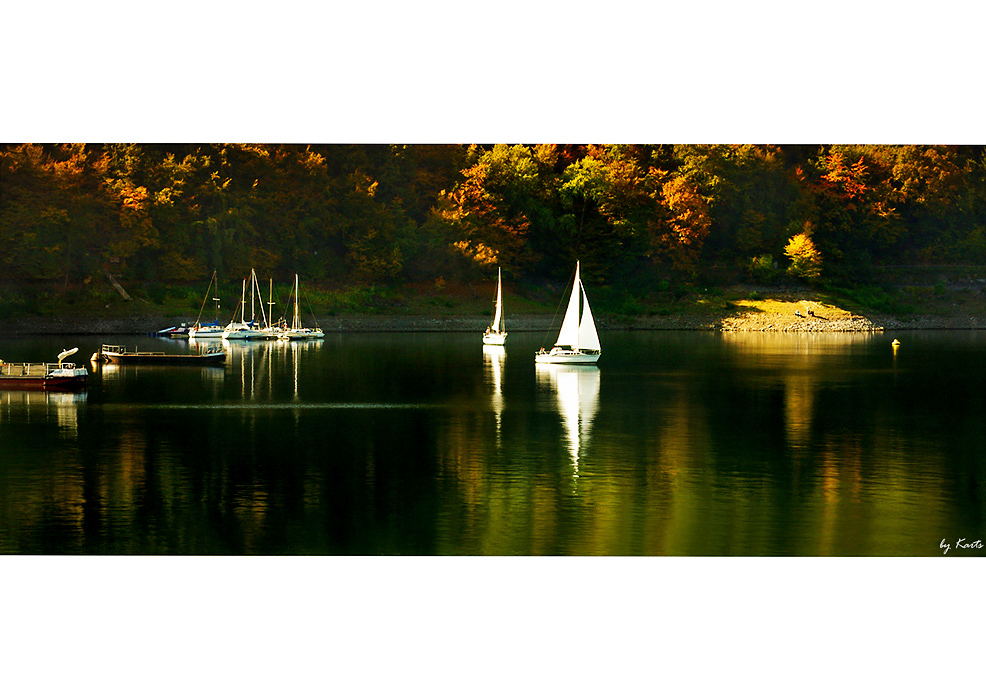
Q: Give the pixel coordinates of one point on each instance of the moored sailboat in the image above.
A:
(251, 330)
(297, 331)
(578, 342)
(239, 330)
(495, 333)
(209, 330)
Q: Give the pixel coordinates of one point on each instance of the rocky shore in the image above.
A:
(793, 320)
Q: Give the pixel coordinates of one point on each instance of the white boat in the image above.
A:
(578, 342)
(296, 330)
(495, 333)
(243, 330)
(238, 330)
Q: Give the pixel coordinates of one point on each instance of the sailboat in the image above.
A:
(495, 334)
(238, 330)
(249, 330)
(297, 331)
(578, 343)
(209, 330)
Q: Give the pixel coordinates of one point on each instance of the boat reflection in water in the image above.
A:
(262, 366)
(63, 406)
(577, 392)
(494, 360)
(114, 374)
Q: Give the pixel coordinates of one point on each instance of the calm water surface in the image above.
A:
(426, 443)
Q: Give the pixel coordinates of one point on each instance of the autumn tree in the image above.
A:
(492, 206)
(806, 261)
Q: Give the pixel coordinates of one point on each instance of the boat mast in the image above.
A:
(569, 333)
(253, 287)
(297, 316)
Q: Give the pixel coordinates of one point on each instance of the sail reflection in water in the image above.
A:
(494, 359)
(577, 392)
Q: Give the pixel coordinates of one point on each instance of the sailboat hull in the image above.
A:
(301, 334)
(493, 338)
(207, 332)
(567, 357)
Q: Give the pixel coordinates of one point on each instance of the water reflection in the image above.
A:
(703, 444)
(801, 364)
(577, 393)
(42, 406)
(494, 360)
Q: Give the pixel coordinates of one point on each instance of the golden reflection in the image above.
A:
(64, 406)
(798, 360)
(790, 343)
(251, 510)
(132, 463)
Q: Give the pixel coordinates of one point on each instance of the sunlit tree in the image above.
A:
(806, 261)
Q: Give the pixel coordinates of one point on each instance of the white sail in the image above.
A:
(498, 315)
(569, 333)
(578, 342)
(588, 338)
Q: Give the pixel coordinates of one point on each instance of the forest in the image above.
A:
(357, 215)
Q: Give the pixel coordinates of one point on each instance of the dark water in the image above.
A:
(425, 443)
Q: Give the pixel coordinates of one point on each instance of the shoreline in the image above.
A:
(728, 321)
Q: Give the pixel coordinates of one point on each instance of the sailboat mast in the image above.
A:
(499, 299)
(297, 316)
(253, 297)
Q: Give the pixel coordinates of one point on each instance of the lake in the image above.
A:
(677, 444)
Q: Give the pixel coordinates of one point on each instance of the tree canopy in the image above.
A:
(369, 214)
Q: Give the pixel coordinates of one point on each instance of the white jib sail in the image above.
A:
(588, 338)
(569, 333)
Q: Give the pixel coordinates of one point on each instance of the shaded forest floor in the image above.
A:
(958, 302)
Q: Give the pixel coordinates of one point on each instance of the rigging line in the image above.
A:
(207, 297)
(311, 310)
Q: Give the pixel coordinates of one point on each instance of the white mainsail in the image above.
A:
(495, 333)
(498, 315)
(569, 333)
